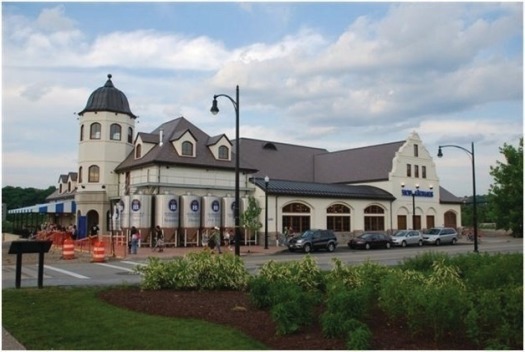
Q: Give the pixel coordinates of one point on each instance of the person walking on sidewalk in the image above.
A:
(134, 240)
(216, 235)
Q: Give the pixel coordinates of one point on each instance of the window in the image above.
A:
(69, 186)
(130, 135)
(374, 218)
(81, 133)
(138, 151)
(95, 131)
(224, 152)
(416, 171)
(80, 174)
(93, 175)
(114, 132)
(424, 171)
(187, 148)
(409, 170)
(338, 218)
(296, 208)
(416, 150)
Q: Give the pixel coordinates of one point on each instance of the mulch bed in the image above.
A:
(233, 308)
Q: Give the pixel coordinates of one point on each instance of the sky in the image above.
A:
(335, 75)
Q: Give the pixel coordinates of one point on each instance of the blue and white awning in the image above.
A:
(66, 206)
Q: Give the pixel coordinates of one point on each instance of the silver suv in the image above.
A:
(440, 235)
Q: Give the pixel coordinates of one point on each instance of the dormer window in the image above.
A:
(269, 146)
(115, 132)
(224, 153)
(187, 148)
(94, 132)
(69, 186)
(138, 151)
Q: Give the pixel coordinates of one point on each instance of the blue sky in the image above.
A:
(331, 75)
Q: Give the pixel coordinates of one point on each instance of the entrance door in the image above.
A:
(402, 222)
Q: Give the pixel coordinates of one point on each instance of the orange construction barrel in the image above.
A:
(68, 249)
(98, 253)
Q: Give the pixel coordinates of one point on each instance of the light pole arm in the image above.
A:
(471, 153)
(235, 105)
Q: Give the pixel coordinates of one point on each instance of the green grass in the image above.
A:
(61, 318)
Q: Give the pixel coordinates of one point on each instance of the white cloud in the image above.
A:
(442, 69)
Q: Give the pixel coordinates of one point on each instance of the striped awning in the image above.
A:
(66, 206)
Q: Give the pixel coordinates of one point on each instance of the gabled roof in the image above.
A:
(167, 155)
(366, 164)
(447, 197)
(323, 190)
(280, 160)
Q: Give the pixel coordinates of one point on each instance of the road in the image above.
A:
(122, 272)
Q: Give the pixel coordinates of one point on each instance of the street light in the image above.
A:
(266, 181)
(474, 202)
(413, 193)
(215, 110)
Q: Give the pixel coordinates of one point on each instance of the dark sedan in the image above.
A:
(371, 240)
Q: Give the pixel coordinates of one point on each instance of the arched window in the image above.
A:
(80, 174)
(81, 133)
(374, 218)
(60, 188)
(338, 218)
(94, 174)
(297, 217)
(138, 151)
(69, 186)
(296, 208)
(115, 132)
(187, 148)
(130, 135)
(94, 132)
(224, 152)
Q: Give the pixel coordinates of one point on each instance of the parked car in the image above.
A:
(371, 240)
(312, 240)
(440, 235)
(405, 238)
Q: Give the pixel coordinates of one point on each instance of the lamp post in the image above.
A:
(266, 181)
(215, 110)
(413, 193)
(474, 202)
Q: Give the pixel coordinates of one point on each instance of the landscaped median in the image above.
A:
(433, 301)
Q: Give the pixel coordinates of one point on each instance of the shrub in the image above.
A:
(305, 273)
(293, 307)
(359, 336)
(198, 270)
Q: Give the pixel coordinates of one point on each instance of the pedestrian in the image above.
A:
(74, 233)
(134, 240)
(216, 235)
(94, 231)
(227, 239)
(159, 239)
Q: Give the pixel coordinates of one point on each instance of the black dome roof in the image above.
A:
(108, 98)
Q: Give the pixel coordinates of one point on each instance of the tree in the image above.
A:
(250, 218)
(506, 194)
(17, 197)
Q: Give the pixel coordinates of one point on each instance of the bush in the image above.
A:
(495, 318)
(294, 307)
(359, 336)
(305, 273)
(198, 270)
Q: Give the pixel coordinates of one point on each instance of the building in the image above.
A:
(182, 179)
